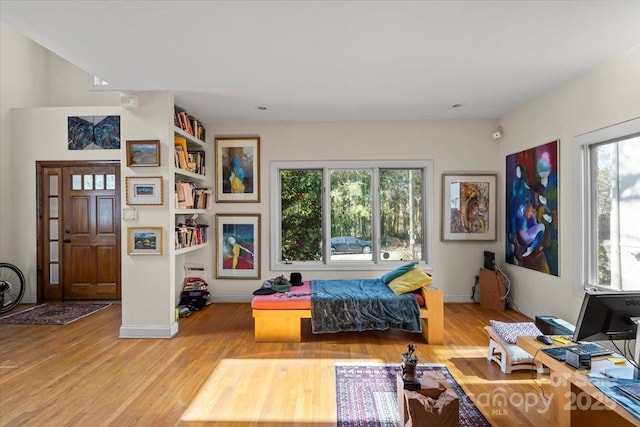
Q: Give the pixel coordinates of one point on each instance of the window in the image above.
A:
(607, 192)
(332, 215)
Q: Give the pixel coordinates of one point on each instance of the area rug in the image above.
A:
(366, 395)
(53, 314)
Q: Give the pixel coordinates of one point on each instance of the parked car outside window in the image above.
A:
(350, 245)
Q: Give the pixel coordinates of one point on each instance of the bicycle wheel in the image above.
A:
(11, 286)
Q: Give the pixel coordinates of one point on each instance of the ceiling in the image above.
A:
(334, 60)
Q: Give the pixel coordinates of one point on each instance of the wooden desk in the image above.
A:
(576, 401)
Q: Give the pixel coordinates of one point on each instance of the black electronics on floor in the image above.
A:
(489, 260)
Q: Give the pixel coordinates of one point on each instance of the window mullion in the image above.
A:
(326, 215)
(614, 260)
(375, 214)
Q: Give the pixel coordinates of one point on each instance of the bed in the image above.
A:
(277, 317)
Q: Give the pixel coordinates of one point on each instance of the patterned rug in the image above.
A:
(53, 314)
(366, 395)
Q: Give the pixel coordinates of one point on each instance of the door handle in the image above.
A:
(66, 241)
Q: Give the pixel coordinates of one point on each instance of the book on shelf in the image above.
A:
(196, 158)
(202, 198)
(190, 196)
(190, 235)
(192, 161)
(188, 123)
(180, 145)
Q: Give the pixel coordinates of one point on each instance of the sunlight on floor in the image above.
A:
(291, 391)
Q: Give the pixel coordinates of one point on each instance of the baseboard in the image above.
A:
(458, 298)
(148, 331)
(232, 298)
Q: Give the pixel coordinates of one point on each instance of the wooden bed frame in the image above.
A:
(273, 325)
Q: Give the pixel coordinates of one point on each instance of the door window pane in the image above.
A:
(111, 181)
(76, 182)
(99, 180)
(53, 251)
(88, 182)
(53, 207)
(53, 229)
(53, 274)
(53, 185)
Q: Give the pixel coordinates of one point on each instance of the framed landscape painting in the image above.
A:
(144, 240)
(143, 153)
(144, 190)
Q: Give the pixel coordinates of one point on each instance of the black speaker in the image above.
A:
(489, 260)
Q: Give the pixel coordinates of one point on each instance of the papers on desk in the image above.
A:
(631, 390)
(611, 387)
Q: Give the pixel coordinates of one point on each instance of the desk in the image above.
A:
(575, 401)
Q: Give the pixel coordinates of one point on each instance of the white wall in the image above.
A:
(452, 145)
(607, 95)
(22, 83)
(31, 76)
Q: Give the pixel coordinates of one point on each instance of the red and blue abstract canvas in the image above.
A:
(532, 208)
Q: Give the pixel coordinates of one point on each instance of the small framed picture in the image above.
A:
(144, 240)
(144, 190)
(143, 153)
(238, 246)
(238, 169)
(469, 207)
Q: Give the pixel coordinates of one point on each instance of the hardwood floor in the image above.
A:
(213, 373)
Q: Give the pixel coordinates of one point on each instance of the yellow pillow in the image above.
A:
(410, 281)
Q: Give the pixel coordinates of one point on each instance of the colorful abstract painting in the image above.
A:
(532, 208)
(238, 245)
(93, 132)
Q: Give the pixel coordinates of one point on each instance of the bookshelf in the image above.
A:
(192, 196)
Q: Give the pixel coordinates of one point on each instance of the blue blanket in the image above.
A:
(360, 305)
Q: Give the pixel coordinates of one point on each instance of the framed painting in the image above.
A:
(238, 246)
(144, 240)
(144, 190)
(237, 169)
(143, 153)
(93, 132)
(532, 217)
(469, 207)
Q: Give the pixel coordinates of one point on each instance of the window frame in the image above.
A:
(325, 166)
(585, 245)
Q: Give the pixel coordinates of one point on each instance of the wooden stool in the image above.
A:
(509, 357)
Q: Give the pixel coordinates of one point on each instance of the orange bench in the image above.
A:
(277, 318)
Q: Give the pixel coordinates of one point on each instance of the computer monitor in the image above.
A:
(610, 316)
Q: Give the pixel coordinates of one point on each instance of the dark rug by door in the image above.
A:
(366, 395)
(53, 314)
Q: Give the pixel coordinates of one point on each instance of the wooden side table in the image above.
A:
(492, 290)
(449, 415)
